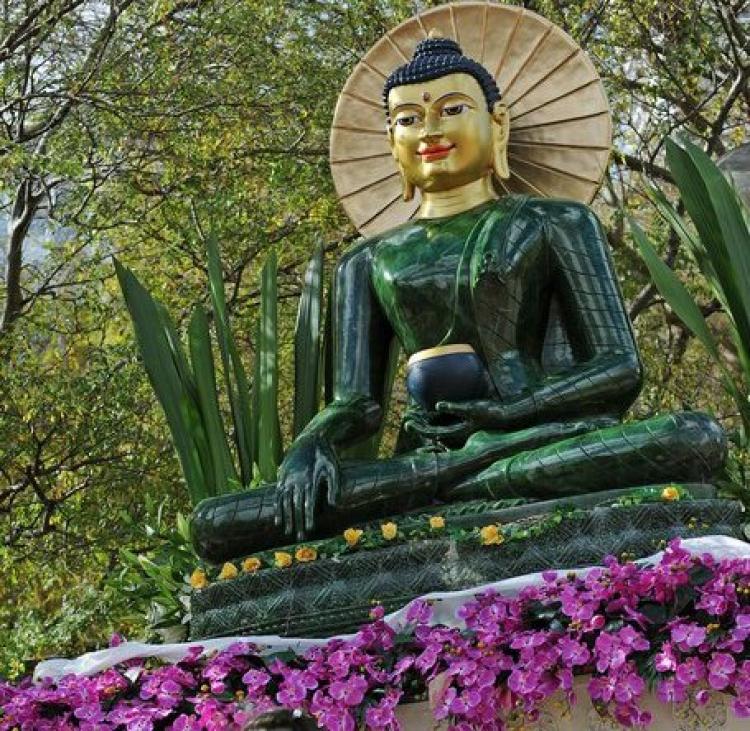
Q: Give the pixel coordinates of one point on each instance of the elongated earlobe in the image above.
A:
(500, 135)
(407, 187)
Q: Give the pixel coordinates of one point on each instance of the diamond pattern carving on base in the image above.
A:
(330, 596)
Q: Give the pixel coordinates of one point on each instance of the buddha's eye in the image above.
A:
(407, 120)
(454, 109)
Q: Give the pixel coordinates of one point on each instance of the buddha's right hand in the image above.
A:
(309, 469)
(423, 423)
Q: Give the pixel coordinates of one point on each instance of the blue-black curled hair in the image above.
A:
(436, 57)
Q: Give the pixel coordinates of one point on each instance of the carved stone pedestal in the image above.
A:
(334, 595)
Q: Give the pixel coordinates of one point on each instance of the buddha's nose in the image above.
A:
(431, 130)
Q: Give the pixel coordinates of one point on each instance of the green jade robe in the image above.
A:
(527, 282)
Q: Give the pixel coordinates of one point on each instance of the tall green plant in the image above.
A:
(721, 250)
(186, 385)
(172, 383)
(307, 344)
(267, 381)
(235, 379)
(201, 356)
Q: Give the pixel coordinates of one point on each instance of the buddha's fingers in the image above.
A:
(318, 480)
(325, 476)
(300, 500)
(280, 517)
(459, 430)
(465, 410)
(287, 499)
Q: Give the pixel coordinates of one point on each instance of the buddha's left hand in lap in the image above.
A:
(471, 417)
(478, 413)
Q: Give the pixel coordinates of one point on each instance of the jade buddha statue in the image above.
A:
(522, 359)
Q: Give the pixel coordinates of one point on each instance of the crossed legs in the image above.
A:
(543, 462)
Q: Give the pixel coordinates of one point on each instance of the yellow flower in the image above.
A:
(491, 535)
(17, 669)
(198, 579)
(437, 522)
(282, 559)
(670, 493)
(352, 536)
(251, 565)
(389, 531)
(305, 554)
(228, 571)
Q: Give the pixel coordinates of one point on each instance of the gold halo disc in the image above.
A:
(561, 129)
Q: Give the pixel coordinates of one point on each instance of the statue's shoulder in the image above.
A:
(523, 211)
(364, 248)
(568, 223)
(560, 211)
(358, 255)
(359, 249)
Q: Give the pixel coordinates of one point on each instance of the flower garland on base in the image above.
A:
(681, 627)
(426, 527)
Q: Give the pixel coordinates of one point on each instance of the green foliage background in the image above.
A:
(201, 114)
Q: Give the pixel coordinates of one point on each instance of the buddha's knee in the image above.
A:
(699, 436)
(229, 525)
(206, 523)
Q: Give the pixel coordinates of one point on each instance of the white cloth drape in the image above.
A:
(445, 605)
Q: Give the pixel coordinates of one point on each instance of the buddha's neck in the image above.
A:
(439, 204)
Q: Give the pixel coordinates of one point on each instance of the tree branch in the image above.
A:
(37, 19)
(739, 87)
(25, 206)
(638, 165)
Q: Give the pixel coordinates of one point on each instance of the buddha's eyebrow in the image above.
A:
(407, 105)
(455, 94)
(447, 95)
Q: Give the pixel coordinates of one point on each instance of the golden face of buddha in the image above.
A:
(442, 136)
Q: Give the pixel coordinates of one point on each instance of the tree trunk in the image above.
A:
(25, 207)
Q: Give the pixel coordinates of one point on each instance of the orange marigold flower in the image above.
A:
(306, 553)
(198, 579)
(251, 565)
(389, 531)
(670, 493)
(491, 535)
(228, 571)
(352, 536)
(437, 522)
(282, 559)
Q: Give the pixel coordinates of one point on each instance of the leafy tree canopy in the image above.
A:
(131, 127)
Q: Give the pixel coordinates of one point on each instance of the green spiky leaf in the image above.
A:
(269, 432)
(714, 208)
(234, 374)
(680, 300)
(307, 344)
(167, 375)
(201, 355)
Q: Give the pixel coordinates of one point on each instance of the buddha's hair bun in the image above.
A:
(436, 57)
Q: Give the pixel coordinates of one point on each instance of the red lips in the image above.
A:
(435, 152)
